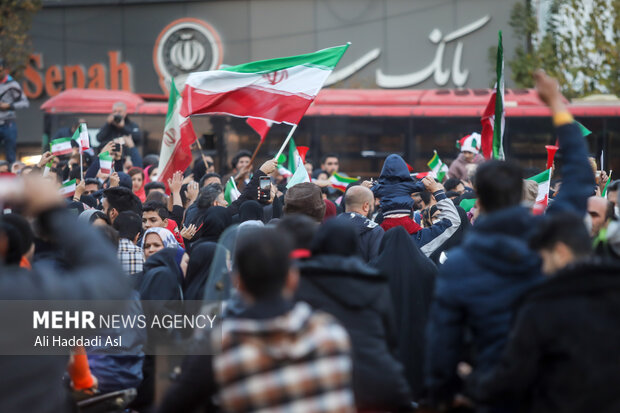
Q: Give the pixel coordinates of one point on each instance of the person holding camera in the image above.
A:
(118, 124)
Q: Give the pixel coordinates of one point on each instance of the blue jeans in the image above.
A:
(8, 134)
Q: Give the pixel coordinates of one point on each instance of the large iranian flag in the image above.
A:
(176, 154)
(278, 90)
(542, 199)
(493, 117)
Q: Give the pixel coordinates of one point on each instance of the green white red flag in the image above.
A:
(105, 162)
(81, 137)
(437, 167)
(179, 135)
(68, 188)
(542, 199)
(493, 117)
(231, 193)
(300, 175)
(61, 146)
(278, 90)
(341, 182)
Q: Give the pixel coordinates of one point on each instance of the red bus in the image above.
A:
(364, 126)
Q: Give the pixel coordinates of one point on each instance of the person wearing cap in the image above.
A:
(305, 199)
(11, 97)
(470, 154)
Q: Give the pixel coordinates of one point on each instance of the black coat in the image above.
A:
(563, 354)
(198, 270)
(359, 297)
(411, 277)
(369, 233)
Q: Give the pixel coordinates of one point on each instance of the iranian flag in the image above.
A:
(105, 162)
(437, 167)
(278, 90)
(300, 175)
(231, 193)
(421, 175)
(292, 156)
(81, 137)
(542, 199)
(287, 165)
(341, 182)
(493, 118)
(68, 188)
(61, 146)
(179, 135)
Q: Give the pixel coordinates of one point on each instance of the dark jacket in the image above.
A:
(359, 297)
(482, 280)
(110, 131)
(395, 186)
(564, 348)
(369, 232)
(33, 384)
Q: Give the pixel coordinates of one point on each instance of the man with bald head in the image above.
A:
(600, 211)
(359, 205)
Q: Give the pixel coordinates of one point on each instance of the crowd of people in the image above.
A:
(399, 294)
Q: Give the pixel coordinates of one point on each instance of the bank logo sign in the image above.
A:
(184, 46)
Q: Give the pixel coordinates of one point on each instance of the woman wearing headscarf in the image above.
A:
(411, 277)
(161, 280)
(251, 211)
(137, 182)
(215, 221)
(338, 281)
(198, 270)
(156, 239)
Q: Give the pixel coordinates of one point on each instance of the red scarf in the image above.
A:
(409, 224)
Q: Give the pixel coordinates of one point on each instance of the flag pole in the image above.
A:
(200, 149)
(81, 164)
(288, 138)
(256, 150)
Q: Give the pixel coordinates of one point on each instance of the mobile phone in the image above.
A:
(264, 188)
(118, 118)
(116, 147)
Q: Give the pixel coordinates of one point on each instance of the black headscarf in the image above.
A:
(411, 276)
(215, 221)
(20, 236)
(162, 277)
(335, 237)
(251, 211)
(198, 270)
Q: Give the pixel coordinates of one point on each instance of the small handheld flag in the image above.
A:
(438, 168)
(68, 188)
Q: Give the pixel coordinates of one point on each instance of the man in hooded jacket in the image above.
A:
(480, 283)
